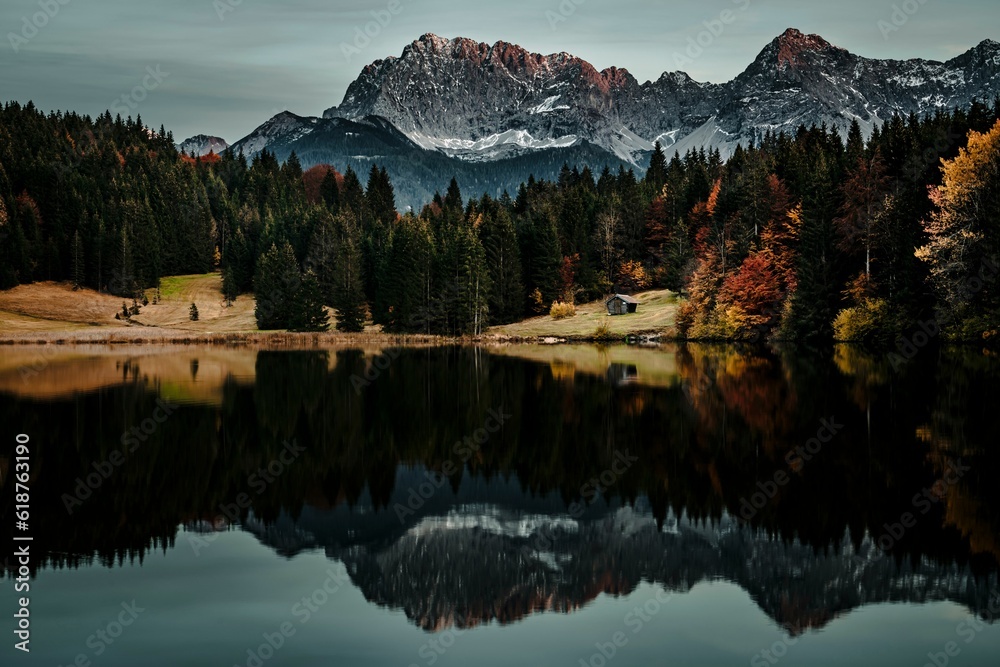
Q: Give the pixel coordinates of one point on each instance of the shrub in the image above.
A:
(560, 310)
(194, 313)
(603, 331)
(869, 322)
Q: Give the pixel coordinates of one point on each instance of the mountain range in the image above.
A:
(490, 115)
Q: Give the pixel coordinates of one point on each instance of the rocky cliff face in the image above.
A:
(201, 145)
(469, 99)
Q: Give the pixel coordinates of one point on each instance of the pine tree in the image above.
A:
(499, 239)
(348, 290)
(656, 175)
(229, 288)
(814, 302)
(78, 271)
(275, 286)
(307, 311)
(409, 278)
(329, 191)
(352, 195)
(541, 256)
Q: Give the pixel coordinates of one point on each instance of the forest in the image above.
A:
(805, 236)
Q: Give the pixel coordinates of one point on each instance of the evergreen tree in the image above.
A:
(276, 285)
(307, 312)
(348, 289)
(814, 302)
(352, 195)
(499, 239)
(409, 279)
(78, 269)
(329, 191)
(656, 175)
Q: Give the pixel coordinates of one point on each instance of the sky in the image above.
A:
(223, 67)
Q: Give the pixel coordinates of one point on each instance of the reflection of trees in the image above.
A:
(962, 428)
(703, 445)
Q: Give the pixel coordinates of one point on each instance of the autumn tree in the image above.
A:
(963, 248)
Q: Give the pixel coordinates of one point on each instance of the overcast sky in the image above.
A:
(226, 66)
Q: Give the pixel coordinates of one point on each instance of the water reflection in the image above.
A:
(460, 525)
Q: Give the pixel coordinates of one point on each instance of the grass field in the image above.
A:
(54, 312)
(656, 315)
(51, 312)
(56, 307)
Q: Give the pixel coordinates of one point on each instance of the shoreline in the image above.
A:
(276, 340)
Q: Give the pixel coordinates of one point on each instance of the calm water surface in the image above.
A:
(523, 505)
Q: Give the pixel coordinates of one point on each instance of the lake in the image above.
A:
(509, 505)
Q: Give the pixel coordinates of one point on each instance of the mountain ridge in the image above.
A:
(473, 102)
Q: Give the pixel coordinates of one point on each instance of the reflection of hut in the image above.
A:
(619, 374)
(621, 304)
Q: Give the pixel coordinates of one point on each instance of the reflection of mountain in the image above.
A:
(462, 562)
(707, 424)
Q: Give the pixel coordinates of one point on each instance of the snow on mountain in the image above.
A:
(284, 128)
(490, 115)
(467, 97)
(201, 145)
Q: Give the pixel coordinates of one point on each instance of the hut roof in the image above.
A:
(623, 297)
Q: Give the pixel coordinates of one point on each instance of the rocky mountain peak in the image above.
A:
(201, 145)
(792, 46)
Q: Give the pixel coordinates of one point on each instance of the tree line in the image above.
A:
(804, 235)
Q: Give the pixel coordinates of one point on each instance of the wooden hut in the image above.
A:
(620, 304)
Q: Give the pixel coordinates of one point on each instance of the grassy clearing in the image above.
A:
(656, 315)
(55, 313)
